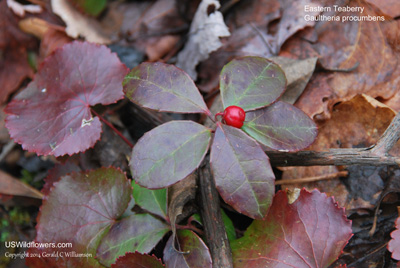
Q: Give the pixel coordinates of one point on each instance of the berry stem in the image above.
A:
(113, 128)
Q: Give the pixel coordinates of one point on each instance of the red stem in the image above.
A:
(113, 128)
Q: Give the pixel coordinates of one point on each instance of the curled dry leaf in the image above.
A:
(349, 127)
(72, 79)
(207, 27)
(311, 232)
(79, 24)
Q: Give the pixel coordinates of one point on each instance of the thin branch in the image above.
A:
(332, 157)
(113, 128)
(312, 179)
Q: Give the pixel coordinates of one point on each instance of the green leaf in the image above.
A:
(251, 83)
(165, 88)
(196, 253)
(169, 153)
(229, 227)
(242, 172)
(309, 232)
(140, 232)
(281, 126)
(153, 201)
(91, 7)
(80, 209)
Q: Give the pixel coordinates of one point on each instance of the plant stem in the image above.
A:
(389, 138)
(113, 128)
(214, 227)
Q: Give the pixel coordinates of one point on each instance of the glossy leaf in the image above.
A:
(281, 126)
(80, 209)
(139, 232)
(242, 172)
(194, 253)
(394, 243)
(163, 87)
(251, 83)
(154, 201)
(56, 173)
(52, 115)
(137, 260)
(311, 232)
(168, 153)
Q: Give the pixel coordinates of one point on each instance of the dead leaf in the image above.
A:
(204, 37)
(79, 24)
(14, 69)
(345, 44)
(161, 46)
(35, 26)
(293, 19)
(179, 195)
(13, 186)
(298, 73)
(20, 9)
(389, 7)
(358, 122)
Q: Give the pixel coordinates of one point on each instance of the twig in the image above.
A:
(332, 157)
(311, 179)
(113, 128)
(214, 228)
(389, 138)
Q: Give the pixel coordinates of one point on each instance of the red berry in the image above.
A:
(234, 116)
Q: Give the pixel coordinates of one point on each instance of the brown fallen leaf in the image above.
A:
(204, 36)
(389, 7)
(298, 73)
(179, 195)
(357, 122)
(13, 186)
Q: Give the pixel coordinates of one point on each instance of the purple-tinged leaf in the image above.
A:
(52, 115)
(139, 232)
(169, 153)
(56, 173)
(251, 83)
(394, 243)
(194, 253)
(163, 87)
(310, 232)
(80, 209)
(281, 126)
(153, 201)
(137, 260)
(242, 172)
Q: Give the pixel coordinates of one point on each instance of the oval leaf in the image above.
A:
(140, 232)
(153, 201)
(251, 83)
(163, 87)
(242, 172)
(281, 126)
(52, 115)
(195, 252)
(169, 153)
(311, 232)
(80, 209)
(137, 260)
